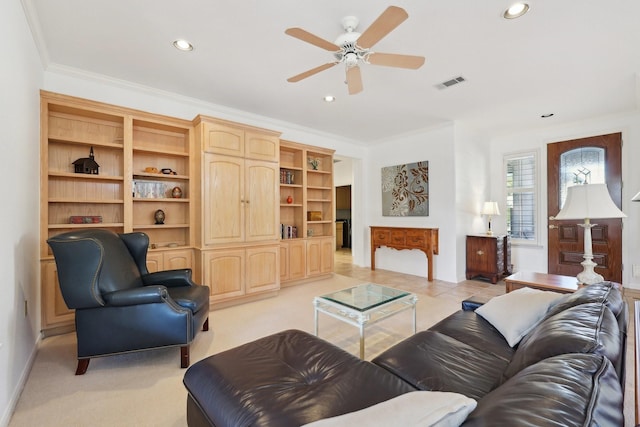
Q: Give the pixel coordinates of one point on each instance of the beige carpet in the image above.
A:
(145, 388)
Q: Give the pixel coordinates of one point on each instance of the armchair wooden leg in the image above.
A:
(83, 364)
(184, 356)
(205, 327)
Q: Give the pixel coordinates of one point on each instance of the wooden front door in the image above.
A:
(593, 160)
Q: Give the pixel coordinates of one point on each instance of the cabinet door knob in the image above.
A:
(480, 253)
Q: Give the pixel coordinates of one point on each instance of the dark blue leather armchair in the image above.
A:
(120, 306)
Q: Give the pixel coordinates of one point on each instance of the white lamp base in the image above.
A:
(588, 276)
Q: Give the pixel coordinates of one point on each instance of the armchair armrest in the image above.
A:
(136, 296)
(169, 278)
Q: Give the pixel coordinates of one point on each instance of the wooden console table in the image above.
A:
(424, 239)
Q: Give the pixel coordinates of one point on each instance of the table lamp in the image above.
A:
(587, 202)
(490, 209)
(636, 198)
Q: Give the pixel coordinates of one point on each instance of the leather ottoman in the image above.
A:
(287, 379)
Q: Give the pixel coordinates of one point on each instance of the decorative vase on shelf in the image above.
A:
(159, 216)
(289, 199)
(315, 163)
(176, 193)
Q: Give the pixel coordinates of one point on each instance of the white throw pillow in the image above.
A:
(413, 409)
(516, 313)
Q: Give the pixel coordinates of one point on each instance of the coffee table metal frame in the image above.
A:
(366, 315)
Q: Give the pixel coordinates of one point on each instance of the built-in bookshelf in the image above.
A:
(109, 167)
(307, 212)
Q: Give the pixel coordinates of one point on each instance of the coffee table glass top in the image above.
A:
(365, 297)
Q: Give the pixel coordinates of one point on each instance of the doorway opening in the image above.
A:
(343, 180)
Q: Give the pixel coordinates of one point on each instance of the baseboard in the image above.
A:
(15, 396)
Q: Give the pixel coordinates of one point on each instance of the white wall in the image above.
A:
(118, 92)
(20, 81)
(535, 258)
(343, 172)
(472, 151)
(438, 147)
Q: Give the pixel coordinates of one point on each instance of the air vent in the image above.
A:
(450, 83)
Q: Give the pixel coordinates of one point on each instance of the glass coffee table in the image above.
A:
(363, 305)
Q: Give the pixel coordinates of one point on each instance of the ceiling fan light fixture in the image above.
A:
(183, 45)
(351, 59)
(516, 10)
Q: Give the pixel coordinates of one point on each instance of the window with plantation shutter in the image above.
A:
(521, 190)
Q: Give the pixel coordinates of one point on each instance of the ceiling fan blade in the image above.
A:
(387, 22)
(311, 72)
(354, 80)
(395, 60)
(306, 36)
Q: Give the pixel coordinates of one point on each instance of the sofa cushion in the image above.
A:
(474, 330)
(516, 313)
(607, 293)
(286, 379)
(430, 360)
(565, 390)
(416, 408)
(586, 328)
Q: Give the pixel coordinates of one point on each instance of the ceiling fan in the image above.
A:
(353, 48)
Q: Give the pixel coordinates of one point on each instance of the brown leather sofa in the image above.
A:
(568, 370)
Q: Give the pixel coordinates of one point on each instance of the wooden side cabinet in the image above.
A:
(488, 256)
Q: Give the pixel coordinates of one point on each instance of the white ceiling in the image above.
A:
(574, 58)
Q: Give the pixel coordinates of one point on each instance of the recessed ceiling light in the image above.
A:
(544, 116)
(516, 10)
(329, 98)
(182, 45)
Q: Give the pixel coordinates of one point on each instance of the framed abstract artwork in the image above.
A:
(405, 190)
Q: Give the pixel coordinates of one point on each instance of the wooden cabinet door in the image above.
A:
(262, 268)
(224, 202)
(343, 197)
(326, 260)
(261, 146)
(297, 259)
(262, 210)
(224, 273)
(56, 312)
(488, 256)
(481, 254)
(314, 255)
(293, 260)
(320, 256)
(222, 139)
(174, 260)
(284, 261)
(154, 262)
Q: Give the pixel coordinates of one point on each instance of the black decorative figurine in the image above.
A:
(86, 164)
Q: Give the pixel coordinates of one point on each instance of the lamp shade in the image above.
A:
(589, 201)
(490, 208)
(636, 198)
